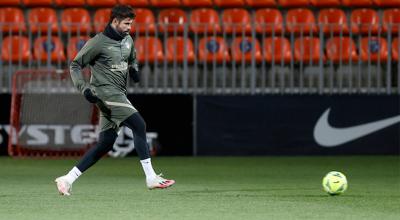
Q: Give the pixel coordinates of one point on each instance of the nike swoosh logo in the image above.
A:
(328, 136)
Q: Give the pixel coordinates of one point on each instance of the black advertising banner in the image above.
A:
(298, 125)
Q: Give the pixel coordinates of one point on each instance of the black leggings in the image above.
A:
(107, 138)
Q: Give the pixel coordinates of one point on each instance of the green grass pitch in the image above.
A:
(207, 188)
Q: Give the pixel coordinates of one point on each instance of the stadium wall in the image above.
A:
(264, 124)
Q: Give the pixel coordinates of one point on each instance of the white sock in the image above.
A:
(148, 168)
(73, 175)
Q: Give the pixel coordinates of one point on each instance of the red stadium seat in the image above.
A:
(101, 3)
(149, 49)
(364, 21)
(333, 20)
(70, 3)
(213, 49)
(74, 45)
(10, 3)
(177, 47)
(166, 3)
(300, 20)
(204, 20)
(42, 48)
(387, 3)
(101, 19)
(373, 48)
(13, 19)
(307, 49)
(135, 3)
(229, 3)
(172, 20)
(261, 3)
(395, 49)
(357, 3)
(293, 3)
(243, 49)
(268, 20)
(144, 22)
(236, 20)
(75, 20)
(341, 49)
(42, 20)
(276, 50)
(15, 48)
(391, 20)
(325, 3)
(197, 3)
(32, 3)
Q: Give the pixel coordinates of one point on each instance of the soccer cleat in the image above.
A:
(63, 186)
(159, 183)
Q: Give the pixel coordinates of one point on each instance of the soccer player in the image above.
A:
(111, 57)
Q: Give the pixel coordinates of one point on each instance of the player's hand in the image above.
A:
(92, 98)
(134, 72)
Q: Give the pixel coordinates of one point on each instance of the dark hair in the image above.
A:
(120, 12)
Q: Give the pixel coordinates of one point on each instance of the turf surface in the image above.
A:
(206, 188)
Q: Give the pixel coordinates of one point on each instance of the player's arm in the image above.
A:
(85, 56)
(133, 65)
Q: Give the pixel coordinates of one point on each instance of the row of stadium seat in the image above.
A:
(236, 20)
(277, 49)
(203, 3)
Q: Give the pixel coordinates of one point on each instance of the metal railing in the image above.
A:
(254, 66)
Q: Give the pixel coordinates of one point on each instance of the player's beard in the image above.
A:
(121, 32)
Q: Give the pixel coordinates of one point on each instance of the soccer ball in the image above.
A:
(334, 183)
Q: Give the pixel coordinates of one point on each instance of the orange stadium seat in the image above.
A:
(15, 48)
(172, 20)
(229, 3)
(307, 49)
(101, 19)
(32, 3)
(213, 48)
(42, 20)
(293, 3)
(166, 3)
(395, 49)
(74, 45)
(364, 21)
(341, 49)
(101, 3)
(374, 48)
(10, 3)
(357, 3)
(391, 20)
(236, 20)
(268, 20)
(387, 3)
(135, 3)
(325, 3)
(144, 22)
(70, 3)
(176, 48)
(14, 20)
(276, 50)
(42, 48)
(244, 48)
(333, 20)
(149, 49)
(261, 3)
(198, 3)
(300, 20)
(75, 20)
(204, 20)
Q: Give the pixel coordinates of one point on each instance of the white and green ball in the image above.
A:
(334, 183)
